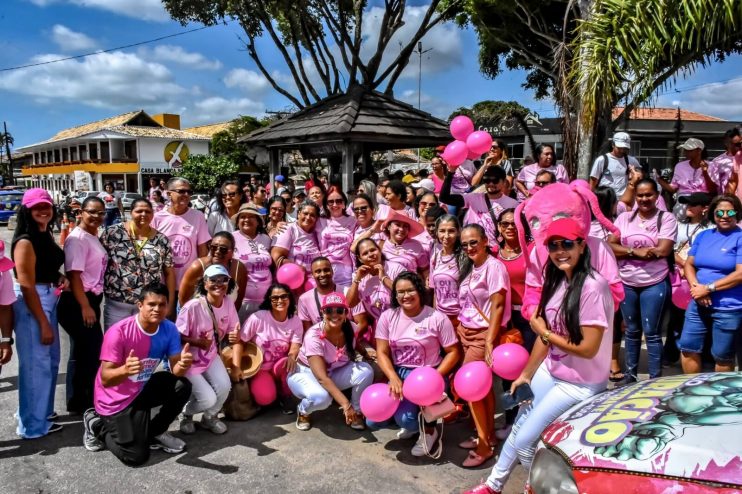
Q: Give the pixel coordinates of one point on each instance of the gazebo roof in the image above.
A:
(360, 116)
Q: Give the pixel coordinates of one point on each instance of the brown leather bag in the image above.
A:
(240, 404)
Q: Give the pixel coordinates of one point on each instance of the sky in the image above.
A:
(206, 76)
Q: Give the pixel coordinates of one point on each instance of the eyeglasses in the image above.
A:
(404, 293)
(222, 249)
(557, 245)
(231, 194)
(720, 213)
(469, 245)
(95, 212)
(332, 202)
(507, 224)
(219, 280)
(541, 183)
(333, 311)
(182, 192)
(427, 204)
(360, 209)
(278, 298)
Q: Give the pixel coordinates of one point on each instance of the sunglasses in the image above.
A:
(557, 245)
(541, 183)
(93, 212)
(494, 147)
(219, 280)
(360, 209)
(470, 244)
(427, 204)
(278, 298)
(490, 180)
(507, 224)
(332, 202)
(333, 311)
(720, 213)
(182, 192)
(222, 249)
(231, 194)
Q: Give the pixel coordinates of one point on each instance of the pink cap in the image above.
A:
(32, 197)
(566, 228)
(5, 263)
(335, 299)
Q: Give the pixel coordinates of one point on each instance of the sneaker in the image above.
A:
(168, 443)
(213, 424)
(187, 426)
(419, 449)
(303, 422)
(90, 419)
(54, 428)
(359, 423)
(286, 406)
(481, 489)
(406, 433)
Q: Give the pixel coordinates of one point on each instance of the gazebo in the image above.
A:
(347, 127)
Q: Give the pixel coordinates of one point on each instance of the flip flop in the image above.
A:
(617, 376)
(474, 459)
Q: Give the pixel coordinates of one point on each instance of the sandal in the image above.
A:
(470, 443)
(617, 376)
(475, 459)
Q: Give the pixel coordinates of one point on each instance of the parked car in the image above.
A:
(200, 201)
(671, 434)
(127, 198)
(10, 202)
(84, 194)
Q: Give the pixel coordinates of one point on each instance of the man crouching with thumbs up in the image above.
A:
(127, 387)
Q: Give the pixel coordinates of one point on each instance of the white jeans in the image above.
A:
(356, 375)
(552, 397)
(209, 390)
(114, 312)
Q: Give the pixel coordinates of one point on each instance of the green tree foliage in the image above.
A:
(492, 113)
(206, 171)
(225, 144)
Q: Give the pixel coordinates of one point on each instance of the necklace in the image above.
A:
(516, 252)
(139, 240)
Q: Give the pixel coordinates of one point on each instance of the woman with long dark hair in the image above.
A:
(327, 365)
(373, 278)
(335, 233)
(38, 284)
(570, 360)
(444, 267)
(277, 218)
(228, 201)
(114, 208)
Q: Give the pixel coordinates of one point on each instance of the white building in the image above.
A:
(126, 149)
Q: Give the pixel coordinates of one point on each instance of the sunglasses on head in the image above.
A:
(557, 245)
(333, 311)
(720, 213)
(278, 298)
(222, 249)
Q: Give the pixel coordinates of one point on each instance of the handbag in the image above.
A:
(435, 413)
(507, 335)
(240, 404)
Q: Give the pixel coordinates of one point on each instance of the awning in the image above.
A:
(63, 169)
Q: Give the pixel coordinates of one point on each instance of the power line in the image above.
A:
(74, 57)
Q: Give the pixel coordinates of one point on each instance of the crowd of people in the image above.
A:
(434, 270)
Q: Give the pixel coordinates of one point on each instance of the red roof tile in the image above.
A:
(666, 114)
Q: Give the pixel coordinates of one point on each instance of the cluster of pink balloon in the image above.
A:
(469, 144)
(290, 274)
(425, 386)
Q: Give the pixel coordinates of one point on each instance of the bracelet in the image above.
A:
(355, 281)
(384, 278)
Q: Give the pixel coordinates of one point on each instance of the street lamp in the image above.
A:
(420, 53)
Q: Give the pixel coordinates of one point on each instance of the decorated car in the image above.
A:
(679, 434)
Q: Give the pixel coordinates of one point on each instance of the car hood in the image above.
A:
(686, 426)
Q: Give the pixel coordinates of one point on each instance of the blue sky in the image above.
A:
(206, 76)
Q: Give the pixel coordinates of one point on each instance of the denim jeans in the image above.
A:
(38, 364)
(642, 310)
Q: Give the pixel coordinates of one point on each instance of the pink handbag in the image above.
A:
(439, 409)
(680, 289)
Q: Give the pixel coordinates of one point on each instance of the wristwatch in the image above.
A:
(630, 252)
(711, 287)
(545, 338)
(8, 340)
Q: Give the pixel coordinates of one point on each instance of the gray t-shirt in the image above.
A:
(615, 174)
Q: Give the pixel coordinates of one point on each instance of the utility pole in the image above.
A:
(420, 53)
(6, 138)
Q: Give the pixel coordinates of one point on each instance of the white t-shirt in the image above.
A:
(615, 174)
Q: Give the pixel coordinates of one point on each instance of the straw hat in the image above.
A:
(252, 359)
(415, 227)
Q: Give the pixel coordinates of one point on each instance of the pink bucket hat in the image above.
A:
(32, 197)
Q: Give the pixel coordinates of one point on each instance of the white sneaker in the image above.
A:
(168, 443)
(187, 426)
(419, 450)
(213, 424)
(405, 433)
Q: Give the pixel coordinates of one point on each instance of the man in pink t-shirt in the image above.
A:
(310, 302)
(7, 297)
(691, 175)
(185, 227)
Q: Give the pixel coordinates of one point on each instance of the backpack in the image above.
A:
(605, 165)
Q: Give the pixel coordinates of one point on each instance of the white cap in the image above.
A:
(692, 143)
(621, 140)
(425, 183)
(216, 270)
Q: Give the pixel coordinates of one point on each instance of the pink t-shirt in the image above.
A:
(528, 173)
(444, 279)
(315, 343)
(688, 179)
(302, 246)
(426, 241)
(83, 252)
(273, 337)
(194, 321)
(185, 232)
(257, 260)
(416, 341)
(437, 183)
(720, 170)
(151, 349)
(596, 309)
(335, 236)
(475, 292)
(640, 233)
(461, 182)
(7, 294)
(375, 297)
(478, 212)
(410, 254)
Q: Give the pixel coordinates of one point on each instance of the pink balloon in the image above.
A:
(479, 142)
(377, 404)
(461, 127)
(473, 381)
(290, 274)
(424, 386)
(509, 360)
(473, 156)
(455, 153)
(263, 388)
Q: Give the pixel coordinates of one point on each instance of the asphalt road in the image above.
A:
(264, 455)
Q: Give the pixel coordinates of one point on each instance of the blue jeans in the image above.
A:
(38, 364)
(642, 309)
(724, 326)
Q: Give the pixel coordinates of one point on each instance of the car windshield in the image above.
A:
(11, 197)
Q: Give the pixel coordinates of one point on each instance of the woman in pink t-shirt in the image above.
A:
(546, 160)
(444, 267)
(252, 248)
(410, 335)
(327, 365)
(85, 262)
(439, 173)
(299, 242)
(278, 331)
(335, 234)
(204, 322)
(401, 246)
(484, 296)
(397, 198)
(367, 225)
(570, 360)
(647, 239)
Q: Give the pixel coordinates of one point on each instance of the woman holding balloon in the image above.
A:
(570, 360)
(299, 242)
(409, 336)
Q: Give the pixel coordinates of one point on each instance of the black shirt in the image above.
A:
(49, 256)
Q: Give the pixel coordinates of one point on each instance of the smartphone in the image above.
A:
(522, 393)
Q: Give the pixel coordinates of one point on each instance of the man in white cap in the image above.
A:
(614, 169)
(691, 175)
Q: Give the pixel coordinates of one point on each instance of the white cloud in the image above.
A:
(219, 109)
(710, 99)
(428, 104)
(147, 10)
(178, 55)
(69, 40)
(248, 80)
